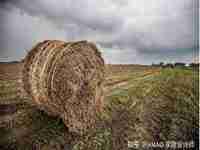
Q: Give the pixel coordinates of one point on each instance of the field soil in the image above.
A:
(143, 104)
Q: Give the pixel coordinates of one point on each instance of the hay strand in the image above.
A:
(66, 80)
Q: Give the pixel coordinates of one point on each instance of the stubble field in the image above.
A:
(142, 104)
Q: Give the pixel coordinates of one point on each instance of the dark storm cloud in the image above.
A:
(133, 29)
(82, 13)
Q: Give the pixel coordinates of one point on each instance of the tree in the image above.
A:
(179, 64)
(161, 64)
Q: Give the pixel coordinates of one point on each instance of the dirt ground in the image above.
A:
(142, 104)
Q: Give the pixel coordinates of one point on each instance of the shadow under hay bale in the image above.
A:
(30, 128)
(66, 80)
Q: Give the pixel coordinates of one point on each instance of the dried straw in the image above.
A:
(66, 80)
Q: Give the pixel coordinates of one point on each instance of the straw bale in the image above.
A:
(66, 80)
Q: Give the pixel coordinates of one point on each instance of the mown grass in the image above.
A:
(162, 106)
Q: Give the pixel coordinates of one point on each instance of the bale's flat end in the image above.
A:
(66, 80)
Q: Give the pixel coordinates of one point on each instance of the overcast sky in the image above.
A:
(126, 31)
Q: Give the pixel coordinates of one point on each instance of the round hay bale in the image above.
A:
(66, 80)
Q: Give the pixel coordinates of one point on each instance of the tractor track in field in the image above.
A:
(125, 83)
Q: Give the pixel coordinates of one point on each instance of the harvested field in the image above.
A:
(141, 104)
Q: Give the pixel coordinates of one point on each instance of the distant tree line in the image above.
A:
(10, 62)
(176, 65)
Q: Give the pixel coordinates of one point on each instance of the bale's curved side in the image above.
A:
(66, 79)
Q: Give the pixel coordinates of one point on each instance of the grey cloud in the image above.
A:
(132, 29)
(85, 13)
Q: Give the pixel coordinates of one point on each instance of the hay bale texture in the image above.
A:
(66, 80)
